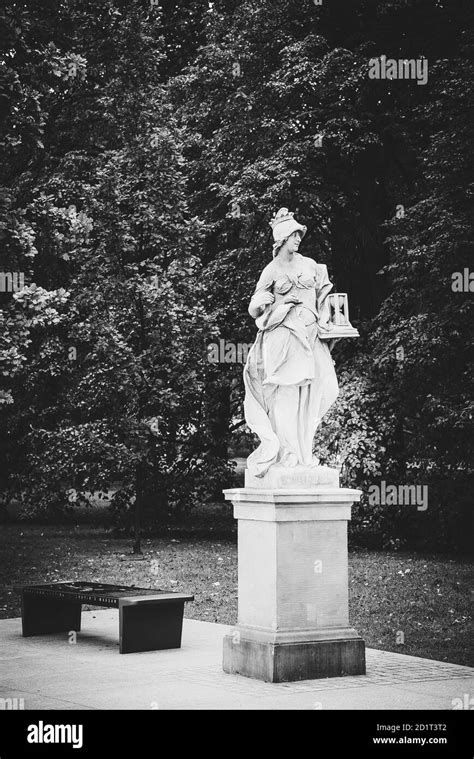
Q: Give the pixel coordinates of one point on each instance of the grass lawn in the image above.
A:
(426, 598)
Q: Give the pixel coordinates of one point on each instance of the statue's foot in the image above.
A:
(290, 460)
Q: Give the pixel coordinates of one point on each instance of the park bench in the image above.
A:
(148, 619)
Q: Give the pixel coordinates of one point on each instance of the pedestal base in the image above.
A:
(293, 585)
(279, 476)
(279, 662)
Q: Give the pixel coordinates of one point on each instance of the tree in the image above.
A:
(136, 198)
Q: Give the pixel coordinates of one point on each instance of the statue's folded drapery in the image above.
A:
(289, 376)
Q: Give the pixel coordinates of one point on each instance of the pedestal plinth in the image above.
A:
(293, 585)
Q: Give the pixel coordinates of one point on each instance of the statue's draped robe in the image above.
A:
(289, 376)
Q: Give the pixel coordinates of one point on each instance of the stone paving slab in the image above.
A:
(47, 672)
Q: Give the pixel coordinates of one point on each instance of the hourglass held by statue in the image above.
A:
(339, 324)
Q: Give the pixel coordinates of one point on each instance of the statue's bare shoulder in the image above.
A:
(267, 277)
(308, 263)
(269, 270)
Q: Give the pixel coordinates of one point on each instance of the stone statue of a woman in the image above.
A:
(290, 382)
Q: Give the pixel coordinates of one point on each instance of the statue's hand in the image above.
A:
(263, 299)
(292, 299)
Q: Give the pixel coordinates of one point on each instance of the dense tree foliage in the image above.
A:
(144, 149)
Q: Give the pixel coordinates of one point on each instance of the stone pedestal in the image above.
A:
(281, 477)
(293, 585)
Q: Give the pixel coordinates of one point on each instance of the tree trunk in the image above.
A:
(138, 510)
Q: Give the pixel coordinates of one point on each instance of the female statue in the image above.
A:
(290, 382)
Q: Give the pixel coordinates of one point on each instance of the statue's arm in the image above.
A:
(323, 288)
(263, 293)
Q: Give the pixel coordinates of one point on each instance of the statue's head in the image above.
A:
(284, 225)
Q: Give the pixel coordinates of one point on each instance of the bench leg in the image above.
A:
(41, 615)
(149, 627)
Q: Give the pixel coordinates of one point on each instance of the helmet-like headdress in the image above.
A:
(283, 225)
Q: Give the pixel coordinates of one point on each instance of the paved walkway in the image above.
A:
(48, 672)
